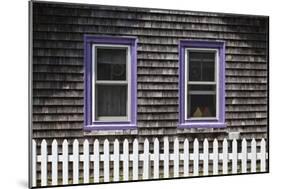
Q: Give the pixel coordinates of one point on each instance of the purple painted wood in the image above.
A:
(89, 124)
(187, 123)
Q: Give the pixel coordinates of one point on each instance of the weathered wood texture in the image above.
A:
(58, 67)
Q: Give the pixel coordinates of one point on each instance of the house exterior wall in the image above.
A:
(58, 69)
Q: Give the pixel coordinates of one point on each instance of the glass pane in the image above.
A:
(201, 106)
(111, 100)
(111, 63)
(201, 66)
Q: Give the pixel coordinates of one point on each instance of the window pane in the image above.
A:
(111, 63)
(201, 66)
(111, 100)
(201, 106)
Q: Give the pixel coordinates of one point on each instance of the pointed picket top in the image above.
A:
(64, 143)
(146, 143)
(75, 142)
(206, 144)
(126, 141)
(106, 141)
(44, 142)
(156, 140)
(54, 143)
(196, 141)
(253, 142)
(135, 143)
(86, 142)
(116, 141)
(215, 143)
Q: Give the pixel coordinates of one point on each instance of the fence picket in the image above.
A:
(224, 157)
(146, 160)
(75, 162)
(106, 160)
(186, 158)
(244, 155)
(263, 155)
(116, 161)
(205, 157)
(126, 160)
(215, 157)
(34, 162)
(135, 159)
(176, 157)
(65, 162)
(54, 162)
(86, 161)
(254, 155)
(166, 157)
(196, 157)
(234, 156)
(96, 161)
(44, 160)
(156, 159)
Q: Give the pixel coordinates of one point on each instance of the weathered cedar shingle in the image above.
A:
(58, 66)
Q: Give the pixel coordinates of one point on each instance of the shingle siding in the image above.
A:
(58, 72)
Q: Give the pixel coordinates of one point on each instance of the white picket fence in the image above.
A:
(201, 163)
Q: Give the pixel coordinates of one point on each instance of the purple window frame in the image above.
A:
(204, 123)
(89, 41)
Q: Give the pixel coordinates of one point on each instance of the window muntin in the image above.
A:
(111, 82)
(201, 94)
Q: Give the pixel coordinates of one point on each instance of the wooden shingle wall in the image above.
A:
(58, 70)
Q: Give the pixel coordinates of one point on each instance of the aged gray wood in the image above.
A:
(58, 70)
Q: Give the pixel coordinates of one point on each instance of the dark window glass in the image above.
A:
(111, 63)
(111, 100)
(201, 106)
(201, 66)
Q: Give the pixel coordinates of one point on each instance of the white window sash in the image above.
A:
(187, 82)
(111, 82)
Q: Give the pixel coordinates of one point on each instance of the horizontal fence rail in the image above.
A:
(109, 162)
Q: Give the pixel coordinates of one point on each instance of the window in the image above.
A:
(202, 95)
(110, 82)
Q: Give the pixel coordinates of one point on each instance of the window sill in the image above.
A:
(110, 126)
(202, 125)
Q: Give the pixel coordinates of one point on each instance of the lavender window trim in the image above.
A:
(217, 123)
(89, 124)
